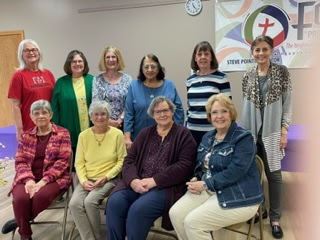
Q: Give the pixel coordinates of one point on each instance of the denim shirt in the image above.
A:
(234, 174)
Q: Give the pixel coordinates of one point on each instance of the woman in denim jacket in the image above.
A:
(225, 188)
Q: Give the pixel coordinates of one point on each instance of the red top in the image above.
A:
(29, 86)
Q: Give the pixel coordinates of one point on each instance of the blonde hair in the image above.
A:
(225, 101)
(102, 66)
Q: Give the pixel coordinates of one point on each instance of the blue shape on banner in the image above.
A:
(235, 34)
(293, 3)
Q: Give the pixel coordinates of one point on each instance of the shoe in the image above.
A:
(9, 226)
(256, 218)
(276, 231)
(28, 238)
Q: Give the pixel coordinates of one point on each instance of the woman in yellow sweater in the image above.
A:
(99, 158)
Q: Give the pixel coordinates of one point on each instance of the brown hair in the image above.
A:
(262, 38)
(67, 64)
(203, 46)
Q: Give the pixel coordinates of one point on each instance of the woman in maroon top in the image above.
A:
(42, 163)
(30, 82)
(161, 158)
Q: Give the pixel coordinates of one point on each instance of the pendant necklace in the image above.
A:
(151, 92)
(97, 140)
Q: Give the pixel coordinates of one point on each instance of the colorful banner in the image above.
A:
(292, 25)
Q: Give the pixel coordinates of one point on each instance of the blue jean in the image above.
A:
(132, 214)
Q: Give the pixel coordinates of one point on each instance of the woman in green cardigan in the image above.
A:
(71, 97)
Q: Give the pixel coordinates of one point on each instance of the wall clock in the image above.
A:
(193, 7)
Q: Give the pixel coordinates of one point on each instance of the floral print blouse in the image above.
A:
(114, 94)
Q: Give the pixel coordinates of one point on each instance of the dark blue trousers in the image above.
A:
(132, 214)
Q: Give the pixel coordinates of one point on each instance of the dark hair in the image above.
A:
(262, 38)
(153, 57)
(67, 64)
(203, 46)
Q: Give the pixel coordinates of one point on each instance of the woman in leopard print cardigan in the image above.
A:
(267, 111)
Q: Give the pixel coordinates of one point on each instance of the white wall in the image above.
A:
(166, 31)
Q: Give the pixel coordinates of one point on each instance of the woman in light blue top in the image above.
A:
(112, 85)
(151, 83)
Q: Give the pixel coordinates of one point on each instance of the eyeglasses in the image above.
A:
(34, 50)
(222, 112)
(158, 112)
(152, 66)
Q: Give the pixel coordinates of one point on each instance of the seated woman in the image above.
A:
(42, 168)
(226, 186)
(154, 172)
(99, 159)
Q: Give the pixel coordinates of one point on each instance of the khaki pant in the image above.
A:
(194, 216)
(84, 207)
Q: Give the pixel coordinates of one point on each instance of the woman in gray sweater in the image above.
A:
(267, 111)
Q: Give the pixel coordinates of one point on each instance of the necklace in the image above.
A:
(44, 139)
(97, 140)
(151, 92)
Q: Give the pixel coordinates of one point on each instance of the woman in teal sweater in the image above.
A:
(71, 96)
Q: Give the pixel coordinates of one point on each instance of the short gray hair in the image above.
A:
(158, 100)
(40, 104)
(98, 106)
(20, 52)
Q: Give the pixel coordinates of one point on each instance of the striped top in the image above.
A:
(199, 90)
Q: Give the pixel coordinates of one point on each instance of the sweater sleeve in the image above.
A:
(286, 99)
(225, 87)
(121, 152)
(80, 160)
(130, 164)
(22, 161)
(129, 111)
(55, 103)
(179, 113)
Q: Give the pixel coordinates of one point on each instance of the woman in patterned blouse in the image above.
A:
(42, 168)
(112, 85)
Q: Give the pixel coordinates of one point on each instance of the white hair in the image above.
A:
(20, 52)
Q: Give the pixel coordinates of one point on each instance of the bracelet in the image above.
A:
(205, 186)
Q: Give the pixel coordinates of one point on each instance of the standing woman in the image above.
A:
(112, 85)
(267, 111)
(29, 83)
(71, 96)
(150, 83)
(206, 81)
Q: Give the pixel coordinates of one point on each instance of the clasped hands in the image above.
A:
(31, 187)
(89, 185)
(195, 186)
(142, 185)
